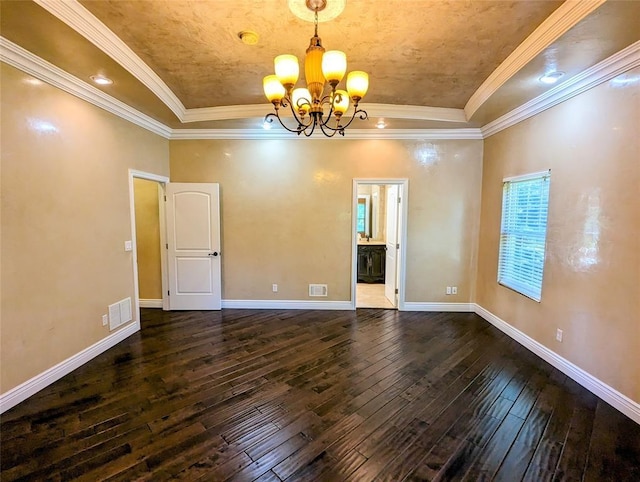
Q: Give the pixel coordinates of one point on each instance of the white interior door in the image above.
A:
(193, 246)
(391, 265)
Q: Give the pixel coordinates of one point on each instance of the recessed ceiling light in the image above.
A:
(266, 125)
(101, 80)
(381, 124)
(551, 77)
(248, 37)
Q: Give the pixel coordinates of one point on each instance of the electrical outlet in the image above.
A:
(274, 288)
(454, 290)
(448, 290)
(105, 320)
(559, 335)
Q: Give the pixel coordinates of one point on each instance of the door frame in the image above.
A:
(402, 235)
(162, 181)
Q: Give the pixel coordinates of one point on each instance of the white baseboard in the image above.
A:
(616, 399)
(287, 305)
(23, 391)
(150, 303)
(457, 307)
(613, 397)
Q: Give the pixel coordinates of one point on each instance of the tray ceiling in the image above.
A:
(431, 54)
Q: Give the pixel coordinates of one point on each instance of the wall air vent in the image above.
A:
(317, 290)
(114, 316)
(119, 313)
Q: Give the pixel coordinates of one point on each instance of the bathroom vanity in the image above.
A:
(371, 260)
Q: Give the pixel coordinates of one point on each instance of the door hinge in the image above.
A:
(396, 290)
(168, 293)
(165, 198)
(399, 199)
(167, 246)
(398, 246)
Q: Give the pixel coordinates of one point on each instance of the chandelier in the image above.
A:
(308, 105)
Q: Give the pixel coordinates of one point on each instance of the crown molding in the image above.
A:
(86, 24)
(603, 71)
(351, 134)
(226, 112)
(25, 61)
(560, 21)
(414, 112)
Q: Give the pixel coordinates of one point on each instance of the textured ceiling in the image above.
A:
(434, 53)
(427, 53)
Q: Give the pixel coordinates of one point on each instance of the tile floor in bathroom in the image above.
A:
(369, 295)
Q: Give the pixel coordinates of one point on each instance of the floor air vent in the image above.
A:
(317, 290)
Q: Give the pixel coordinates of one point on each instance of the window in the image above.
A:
(525, 203)
(363, 215)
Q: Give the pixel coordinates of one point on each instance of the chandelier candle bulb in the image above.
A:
(340, 102)
(287, 70)
(334, 66)
(273, 89)
(357, 84)
(301, 100)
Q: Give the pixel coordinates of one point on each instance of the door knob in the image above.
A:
(215, 253)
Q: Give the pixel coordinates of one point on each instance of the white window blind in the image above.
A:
(525, 203)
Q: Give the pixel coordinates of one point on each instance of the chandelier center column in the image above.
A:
(313, 69)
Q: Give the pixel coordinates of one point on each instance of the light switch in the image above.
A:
(128, 245)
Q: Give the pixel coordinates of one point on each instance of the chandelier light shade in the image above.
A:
(334, 66)
(357, 84)
(311, 107)
(273, 89)
(287, 70)
(340, 102)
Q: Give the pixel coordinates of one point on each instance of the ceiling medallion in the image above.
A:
(305, 9)
(308, 104)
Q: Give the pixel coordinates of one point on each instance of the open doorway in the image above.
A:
(147, 233)
(379, 232)
(148, 242)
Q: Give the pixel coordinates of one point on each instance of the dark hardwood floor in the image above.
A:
(317, 395)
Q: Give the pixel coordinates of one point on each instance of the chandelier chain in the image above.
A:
(315, 21)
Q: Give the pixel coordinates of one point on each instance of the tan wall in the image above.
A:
(286, 211)
(591, 287)
(148, 239)
(65, 217)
